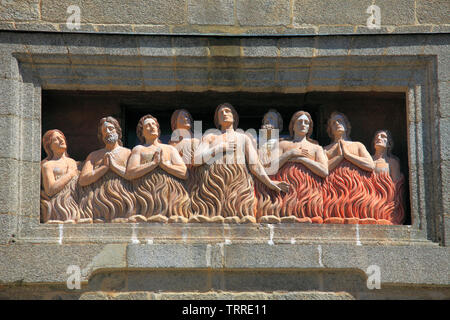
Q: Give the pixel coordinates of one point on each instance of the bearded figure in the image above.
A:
(106, 195)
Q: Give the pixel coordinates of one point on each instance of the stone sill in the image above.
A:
(157, 233)
(128, 29)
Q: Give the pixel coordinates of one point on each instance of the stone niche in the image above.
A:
(367, 112)
(48, 77)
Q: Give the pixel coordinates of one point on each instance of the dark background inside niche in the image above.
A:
(76, 114)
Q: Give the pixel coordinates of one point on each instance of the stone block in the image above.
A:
(446, 231)
(49, 262)
(173, 256)
(444, 98)
(191, 73)
(265, 256)
(404, 45)
(190, 46)
(8, 228)
(24, 10)
(263, 12)
(331, 12)
(146, 29)
(217, 12)
(435, 11)
(9, 188)
(161, 12)
(10, 102)
(400, 12)
(259, 47)
(37, 26)
(160, 73)
(398, 264)
(155, 46)
(9, 66)
(293, 74)
(10, 132)
(333, 46)
(297, 47)
(29, 195)
(368, 46)
(228, 47)
(444, 138)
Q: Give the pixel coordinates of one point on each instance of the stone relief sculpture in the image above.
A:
(303, 163)
(224, 189)
(183, 137)
(157, 170)
(347, 191)
(59, 181)
(387, 180)
(106, 194)
(223, 178)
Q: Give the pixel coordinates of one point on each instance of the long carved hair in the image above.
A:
(115, 124)
(233, 110)
(294, 118)
(390, 140)
(174, 118)
(348, 126)
(47, 141)
(140, 127)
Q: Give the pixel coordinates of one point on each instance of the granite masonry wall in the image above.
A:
(225, 46)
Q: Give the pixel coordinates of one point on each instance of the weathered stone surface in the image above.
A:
(297, 47)
(260, 47)
(118, 12)
(444, 131)
(155, 46)
(397, 264)
(8, 228)
(313, 12)
(10, 102)
(400, 12)
(444, 98)
(9, 128)
(190, 46)
(19, 10)
(263, 12)
(49, 262)
(211, 12)
(9, 186)
(435, 11)
(173, 256)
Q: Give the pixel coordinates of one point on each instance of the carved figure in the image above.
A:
(59, 181)
(303, 163)
(157, 171)
(348, 192)
(182, 137)
(224, 189)
(387, 180)
(107, 195)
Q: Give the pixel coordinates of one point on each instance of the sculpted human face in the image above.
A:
(225, 115)
(381, 140)
(150, 129)
(271, 118)
(109, 133)
(301, 126)
(58, 143)
(338, 125)
(183, 121)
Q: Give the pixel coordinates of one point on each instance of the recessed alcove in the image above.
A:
(77, 113)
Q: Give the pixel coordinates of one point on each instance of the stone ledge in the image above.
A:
(221, 30)
(399, 265)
